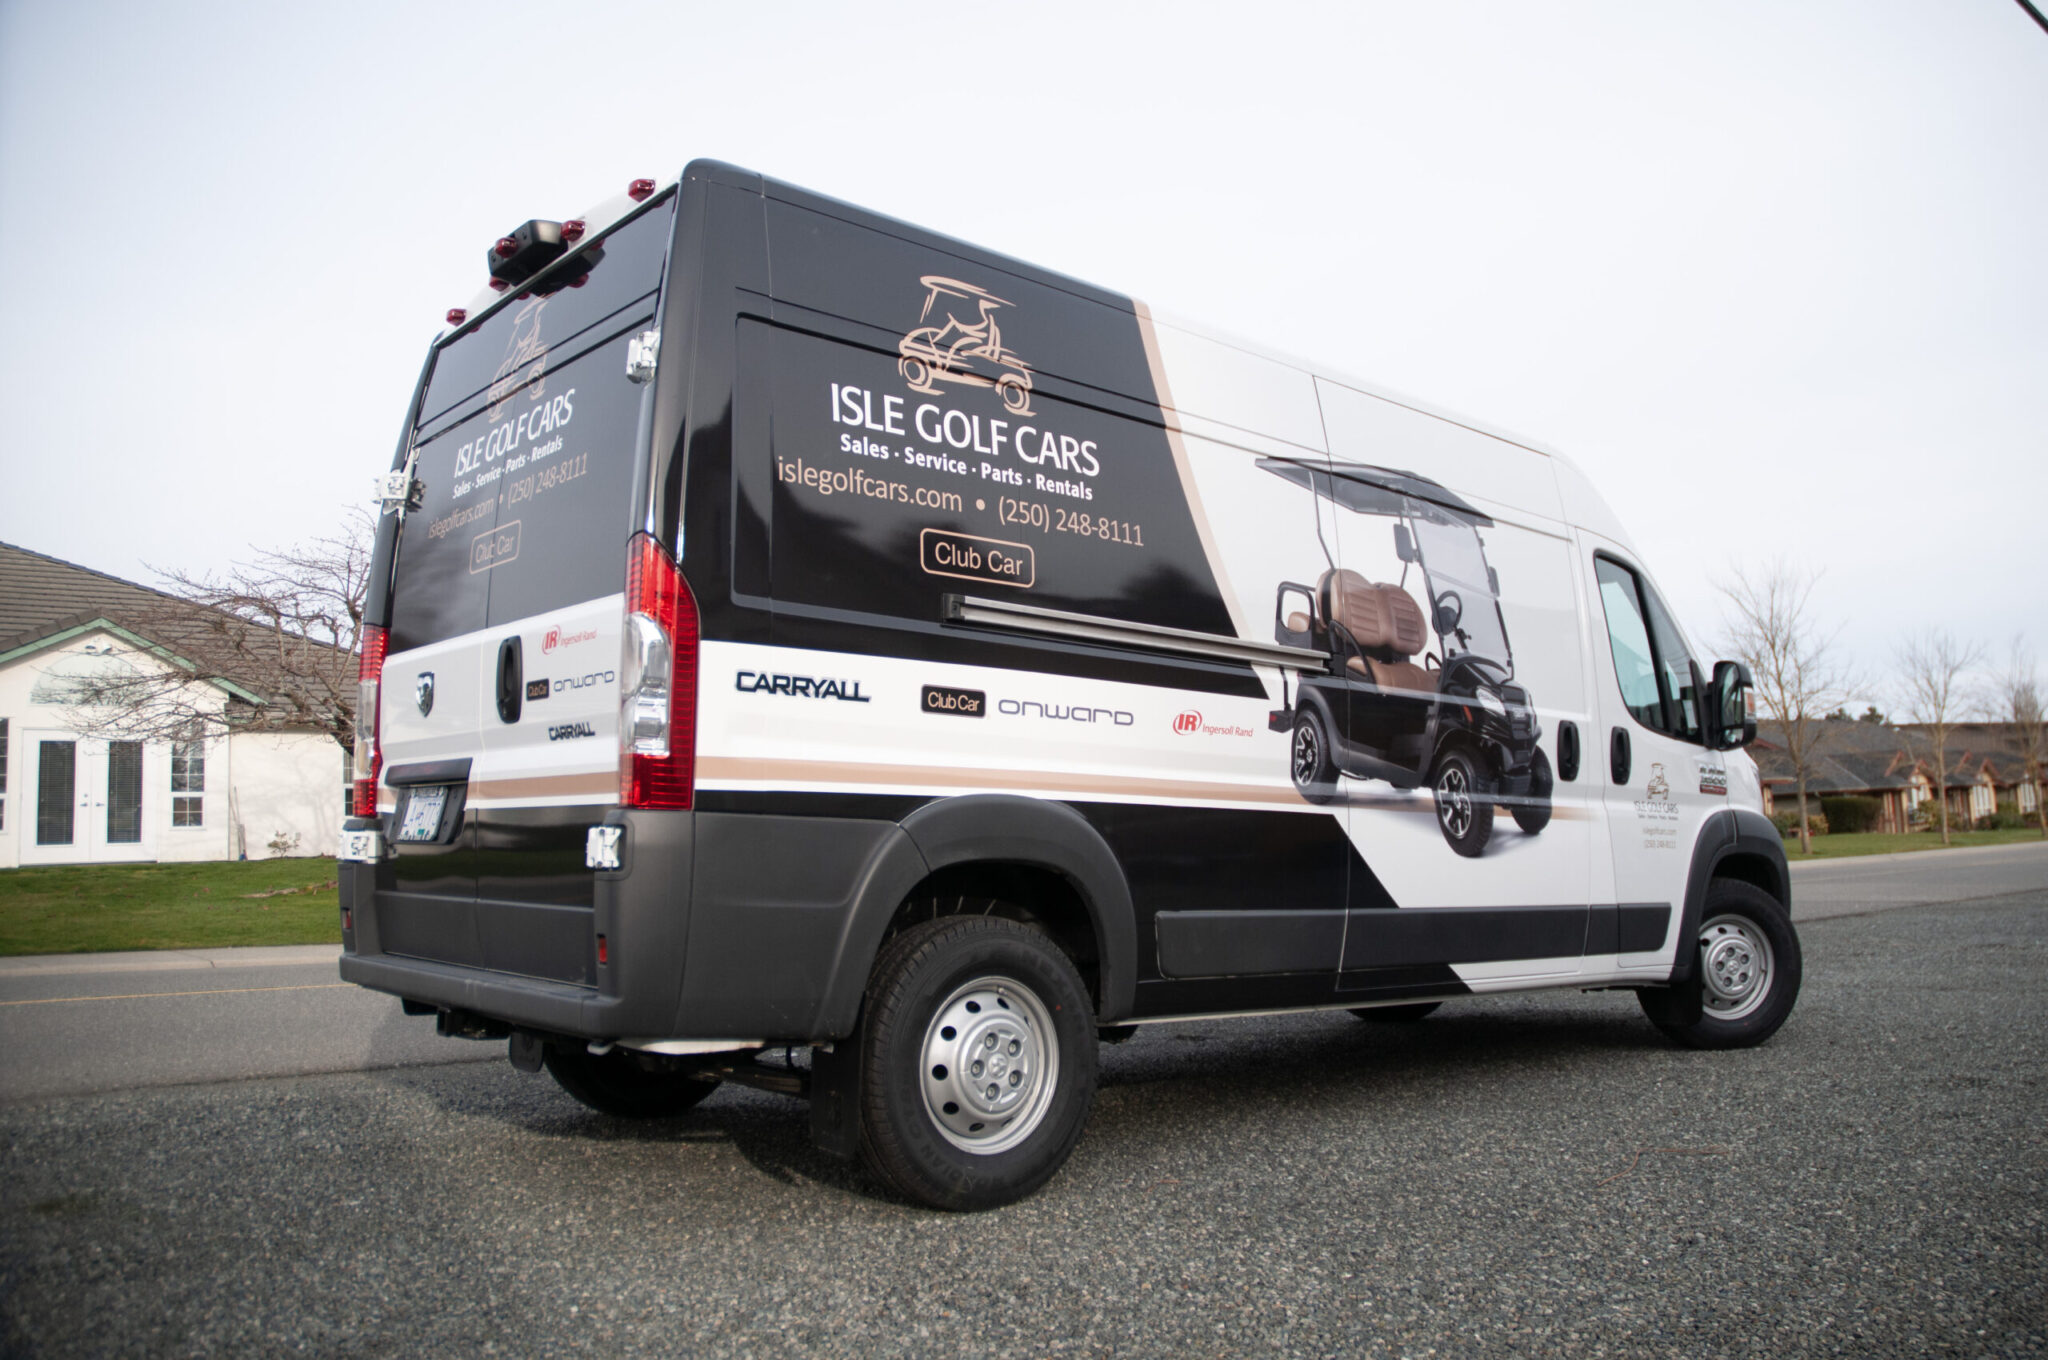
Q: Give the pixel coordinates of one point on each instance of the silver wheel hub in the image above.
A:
(1306, 755)
(1454, 801)
(1736, 966)
(991, 1064)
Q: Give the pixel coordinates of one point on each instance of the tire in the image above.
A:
(1397, 1014)
(1532, 812)
(1749, 970)
(916, 373)
(1464, 812)
(1308, 758)
(624, 1083)
(944, 997)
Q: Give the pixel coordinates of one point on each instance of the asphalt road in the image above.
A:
(1528, 1175)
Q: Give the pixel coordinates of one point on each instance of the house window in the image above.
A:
(188, 783)
(3, 774)
(2027, 796)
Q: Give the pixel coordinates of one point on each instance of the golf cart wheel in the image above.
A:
(1015, 392)
(977, 1053)
(1749, 970)
(1532, 810)
(624, 1083)
(1464, 807)
(916, 372)
(1315, 774)
(1415, 1010)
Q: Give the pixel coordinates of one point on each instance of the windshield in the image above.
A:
(1460, 587)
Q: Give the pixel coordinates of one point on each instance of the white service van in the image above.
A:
(792, 629)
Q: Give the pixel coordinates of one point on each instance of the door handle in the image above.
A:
(1618, 756)
(1567, 751)
(511, 679)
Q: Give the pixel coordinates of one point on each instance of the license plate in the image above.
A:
(361, 847)
(422, 821)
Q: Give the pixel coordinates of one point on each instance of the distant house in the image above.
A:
(72, 793)
(1895, 766)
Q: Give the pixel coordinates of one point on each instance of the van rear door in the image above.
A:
(506, 579)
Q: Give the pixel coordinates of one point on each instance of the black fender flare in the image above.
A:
(1731, 834)
(987, 828)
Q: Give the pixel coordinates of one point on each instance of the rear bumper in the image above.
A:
(642, 909)
(717, 926)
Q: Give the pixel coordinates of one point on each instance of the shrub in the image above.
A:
(1787, 822)
(1852, 813)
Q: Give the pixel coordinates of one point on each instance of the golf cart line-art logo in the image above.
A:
(958, 342)
(526, 360)
(1659, 787)
(423, 692)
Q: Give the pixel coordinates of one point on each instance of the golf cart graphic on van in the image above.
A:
(1456, 721)
(526, 360)
(957, 340)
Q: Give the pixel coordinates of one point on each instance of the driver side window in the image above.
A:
(1651, 663)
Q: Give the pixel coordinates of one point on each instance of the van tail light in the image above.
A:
(369, 756)
(658, 682)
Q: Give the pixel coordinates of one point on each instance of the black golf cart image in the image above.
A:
(1457, 720)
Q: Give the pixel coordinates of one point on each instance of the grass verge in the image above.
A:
(88, 909)
(1892, 843)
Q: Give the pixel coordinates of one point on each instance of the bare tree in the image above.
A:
(1933, 665)
(1790, 656)
(278, 634)
(2020, 690)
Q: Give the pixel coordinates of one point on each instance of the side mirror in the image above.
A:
(1404, 546)
(1731, 708)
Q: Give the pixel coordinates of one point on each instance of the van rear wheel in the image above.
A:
(977, 1053)
(624, 1083)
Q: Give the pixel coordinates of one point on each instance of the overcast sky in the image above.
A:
(1775, 274)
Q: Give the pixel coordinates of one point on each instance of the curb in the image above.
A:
(168, 960)
(1918, 856)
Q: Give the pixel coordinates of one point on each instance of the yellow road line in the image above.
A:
(144, 996)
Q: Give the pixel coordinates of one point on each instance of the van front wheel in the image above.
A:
(1749, 970)
(977, 1054)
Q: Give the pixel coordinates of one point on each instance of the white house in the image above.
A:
(72, 792)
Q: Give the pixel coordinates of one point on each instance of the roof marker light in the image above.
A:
(572, 231)
(506, 247)
(639, 190)
(457, 315)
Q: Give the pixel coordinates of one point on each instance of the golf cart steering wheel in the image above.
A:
(1449, 609)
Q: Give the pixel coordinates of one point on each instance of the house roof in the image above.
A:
(42, 595)
(1851, 756)
(45, 600)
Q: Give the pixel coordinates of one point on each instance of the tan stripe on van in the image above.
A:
(948, 777)
(1171, 414)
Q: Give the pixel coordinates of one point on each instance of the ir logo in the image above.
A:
(1187, 723)
(552, 640)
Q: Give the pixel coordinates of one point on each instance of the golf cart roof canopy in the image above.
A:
(1378, 491)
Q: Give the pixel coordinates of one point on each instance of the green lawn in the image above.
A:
(1889, 843)
(79, 909)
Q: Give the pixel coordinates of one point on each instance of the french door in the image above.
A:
(86, 800)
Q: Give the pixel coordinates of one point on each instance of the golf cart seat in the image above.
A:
(1387, 626)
